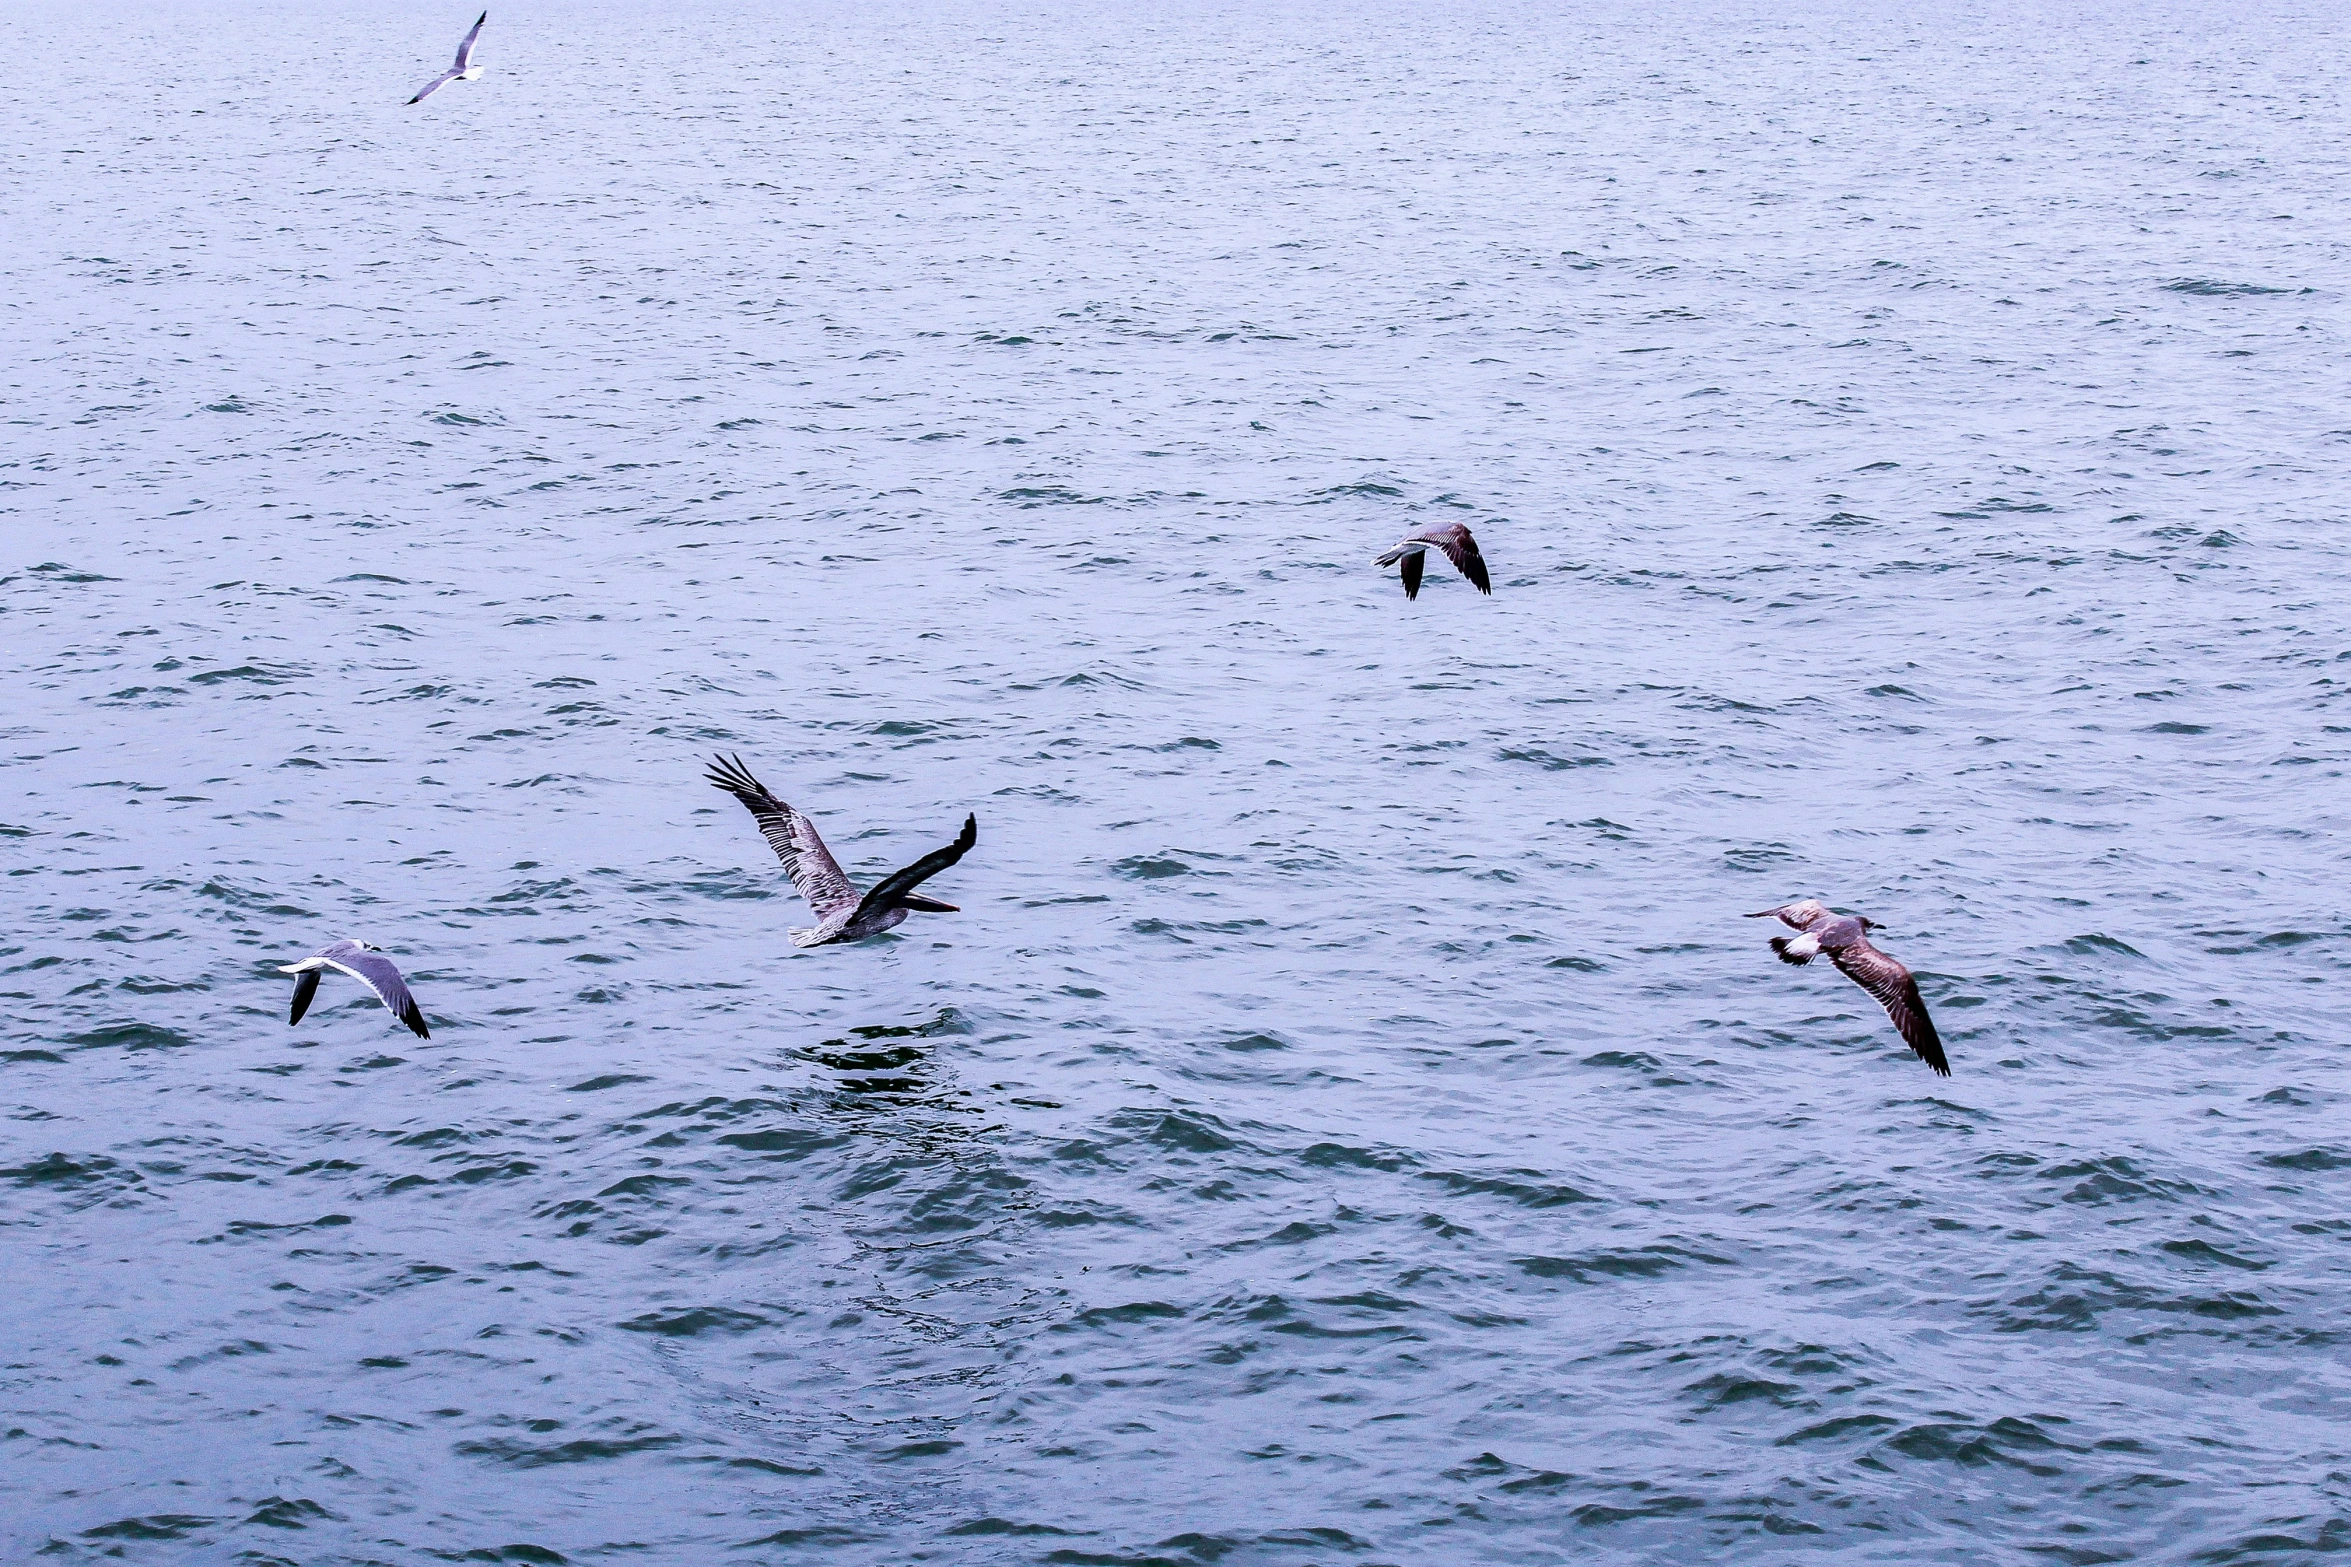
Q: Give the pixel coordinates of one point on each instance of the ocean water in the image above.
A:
(1350, 1120)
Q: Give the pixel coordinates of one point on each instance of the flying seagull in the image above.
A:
(1458, 546)
(1845, 938)
(362, 962)
(841, 913)
(463, 71)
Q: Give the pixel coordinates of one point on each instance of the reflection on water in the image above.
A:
(897, 1076)
(1350, 1119)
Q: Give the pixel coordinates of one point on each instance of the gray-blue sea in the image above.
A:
(1350, 1121)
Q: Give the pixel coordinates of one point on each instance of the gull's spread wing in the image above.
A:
(305, 990)
(378, 974)
(1886, 979)
(1462, 550)
(465, 49)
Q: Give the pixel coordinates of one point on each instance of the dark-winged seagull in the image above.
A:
(842, 914)
(365, 964)
(463, 71)
(1458, 546)
(1845, 938)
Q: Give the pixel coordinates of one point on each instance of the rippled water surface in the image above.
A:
(1349, 1121)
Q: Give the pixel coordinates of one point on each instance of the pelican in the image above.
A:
(1458, 546)
(359, 960)
(841, 913)
(463, 71)
(1845, 938)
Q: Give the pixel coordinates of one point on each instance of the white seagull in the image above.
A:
(359, 960)
(842, 913)
(1459, 548)
(1845, 938)
(463, 71)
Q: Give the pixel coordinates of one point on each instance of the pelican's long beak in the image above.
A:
(1762, 914)
(921, 904)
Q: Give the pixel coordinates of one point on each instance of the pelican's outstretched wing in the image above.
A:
(378, 974)
(1886, 979)
(793, 837)
(305, 991)
(893, 888)
(465, 49)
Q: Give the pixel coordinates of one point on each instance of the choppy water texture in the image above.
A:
(1350, 1122)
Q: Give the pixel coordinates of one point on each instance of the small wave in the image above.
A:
(1534, 1192)
(511, 1453)
(291, 1512)
(1839, 1429)
(2330, 1158)
(155, 1526)
(1646, 1262)
(1178, 1130)
(595, 1085)
(1550, 763)
(2117, 1180)
(1122, 1316)
(129, 1036)
(257, 674)
(2017, 1443)
(1341, 1156)
(2214, 288)
(693, 1322)
(829, 1534)
(1005, 1526)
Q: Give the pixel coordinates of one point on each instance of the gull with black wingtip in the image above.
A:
(1458, 547)
(365, 963)
(1845, 938)
(842, 913)
(463, 71)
